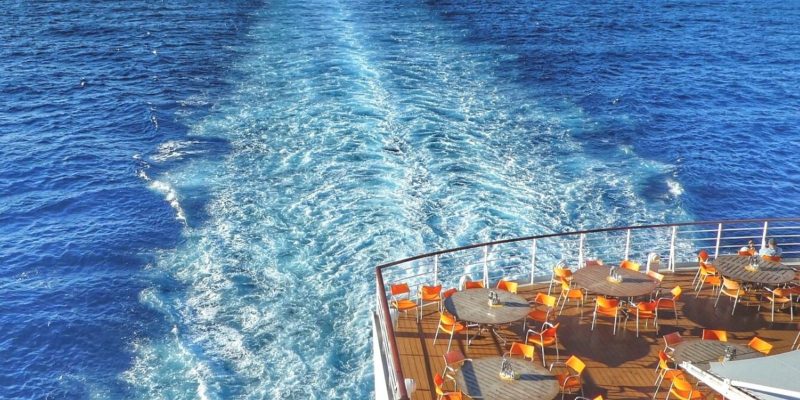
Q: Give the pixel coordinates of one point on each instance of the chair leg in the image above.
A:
(718, 294)
(436, 335)
(452, 333)
(735, 300)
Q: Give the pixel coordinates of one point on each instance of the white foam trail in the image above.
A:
(170, 194)
(675, 187)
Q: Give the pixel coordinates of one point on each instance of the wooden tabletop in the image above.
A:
(702, 352)
(472, 305)
(769, 272)
(481, 379)
(594, 279)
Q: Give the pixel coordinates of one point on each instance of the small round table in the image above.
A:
(702, 352)
(472, 305)
(769, 272)
(594, 279)
(481, 379)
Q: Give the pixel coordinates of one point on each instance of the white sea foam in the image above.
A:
(364, 155)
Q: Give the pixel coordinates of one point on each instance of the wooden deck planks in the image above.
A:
(618, 367)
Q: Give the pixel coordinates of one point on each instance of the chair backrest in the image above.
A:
(562, 272)
(647, 306)
(508, 286)
(545, 300)
(592, 263)
(430, 291)
(564, 285)
(605, 302)
(453, 357)
(663, 360)
(711, 334)
(449, 292)
(631, 265)
(746, 253)
(551, 331)
(400, 288)
(525, 350)
(576, 364)
(771, 258)
(439, 382)
(760, 345)
(702, 256)
(676, 292)
(473, 285)
(672, 339)
(655, 276)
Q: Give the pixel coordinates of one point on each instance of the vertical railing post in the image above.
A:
(672, 248)
(627, 244)
(486, 266)
(533, 261)
(436, 269)
(581, 240)
(719, 238)
(764, 235)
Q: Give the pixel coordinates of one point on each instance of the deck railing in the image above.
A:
(530, 259)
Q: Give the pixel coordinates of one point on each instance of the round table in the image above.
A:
(472, 305)
(594, 279)
(769, 272)
(480, 379)
(702, 352)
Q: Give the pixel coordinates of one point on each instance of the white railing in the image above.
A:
(530, 259)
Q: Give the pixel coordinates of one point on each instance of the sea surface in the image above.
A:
(193, 194)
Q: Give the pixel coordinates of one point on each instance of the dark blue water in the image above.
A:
(171, 173)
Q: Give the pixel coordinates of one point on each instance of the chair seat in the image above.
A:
(457, 327)
(435, 297)
(695, 394)
(404, 304)
(547, 341)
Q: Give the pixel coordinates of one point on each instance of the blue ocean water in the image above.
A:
(194, 194)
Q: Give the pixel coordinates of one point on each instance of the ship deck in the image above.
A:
(618, 367)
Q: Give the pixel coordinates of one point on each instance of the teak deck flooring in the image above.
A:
(618, 367)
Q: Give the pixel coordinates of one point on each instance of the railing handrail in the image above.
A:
(550, 235)
(383, 301)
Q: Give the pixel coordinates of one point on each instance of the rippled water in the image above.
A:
(195, 194)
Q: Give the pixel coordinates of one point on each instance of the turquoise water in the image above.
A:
(196, 196)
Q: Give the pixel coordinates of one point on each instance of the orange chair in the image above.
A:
(658, 278)
(670, 302)
(453, 360)
(760, 345)
(710, 334)
(670, 341)
(731, 289)
(702, 259)
(747, 253)
(631, 265)
(508, 286)
(441, 394)
(776, 259)
(567, 293)
(643, 311)
(448, 324)
(524, 350)
(539, 315)
(714, 280)
(544, 338)
(429, 295)
(684, 390)
(705, 271)
(570, 380)
(401, 300)
(473, 285)
(449, 292)
(779, 296)
(559, 273)
(606, 307)
(664, 371)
